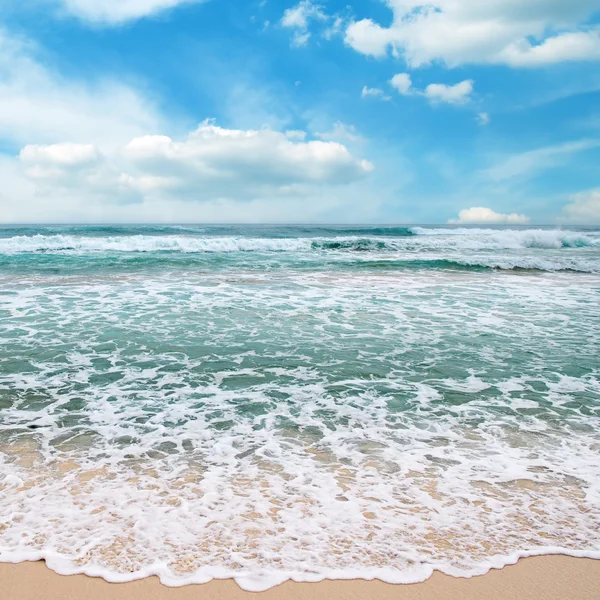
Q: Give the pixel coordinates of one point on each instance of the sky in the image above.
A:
(363, 111)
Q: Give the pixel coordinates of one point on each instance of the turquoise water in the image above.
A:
(307, 402)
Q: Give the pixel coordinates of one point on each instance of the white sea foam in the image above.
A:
(582, 264)
(332, 427)
(426, 239)
(517, 238)
(145, 243)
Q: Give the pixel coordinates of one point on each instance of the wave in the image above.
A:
(266, 427)
(371, 231)
(511, 238)
(144, 243)
(530, 264)
(362, 245)
(520, 264)
(361, 261)
(421, 240)
(186, 243)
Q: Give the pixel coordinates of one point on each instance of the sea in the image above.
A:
(268, 403)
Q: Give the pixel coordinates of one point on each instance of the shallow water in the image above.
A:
(267, 403)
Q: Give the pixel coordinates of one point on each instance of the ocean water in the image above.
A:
(268, 403)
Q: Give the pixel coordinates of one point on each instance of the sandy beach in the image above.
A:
(539, 578)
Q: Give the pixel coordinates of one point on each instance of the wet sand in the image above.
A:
(539, 578)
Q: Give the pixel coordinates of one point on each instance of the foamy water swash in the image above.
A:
(268, 403)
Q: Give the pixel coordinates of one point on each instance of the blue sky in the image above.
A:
(380, 111)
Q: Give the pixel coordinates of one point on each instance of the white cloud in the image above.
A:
(483, 118)
(584, 209)
(300, 15)
(209, 163)
(295, 134)
(58, 161)
(117, 12)
(368, 92)
(300, 38)
(403, 83)
(299, 18)
(340, 133)
(459, 93)
(572, 46)
(58, 172)
(472, 31)
(91, 150)
(368, 38)
(335, 28)
(38, 105)
(61, 155)
(451, 94)
(142, 198)
(214, 160)
(529, 163)
(481, 215)
(306, 14)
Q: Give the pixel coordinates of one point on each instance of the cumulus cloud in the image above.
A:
(64, 155)
(209, 163)
(572, 46)
(369, 38)
(520, 34)
(117, 12)
(58, 161)
(402, 83)
(482, 215)
(91, 149)
(295, 134)
(131, 196)
(76, 169)
(459, 93)
(213, 158)
(584, 209)
(451, 94)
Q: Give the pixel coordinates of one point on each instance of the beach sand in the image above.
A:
(539, 578)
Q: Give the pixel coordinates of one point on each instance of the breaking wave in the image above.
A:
(511, 238)
(377, 240)
(487, 264)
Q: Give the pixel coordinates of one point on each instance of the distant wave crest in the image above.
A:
(511, 238)
(403, 243)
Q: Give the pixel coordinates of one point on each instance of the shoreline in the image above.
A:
(550, 577)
